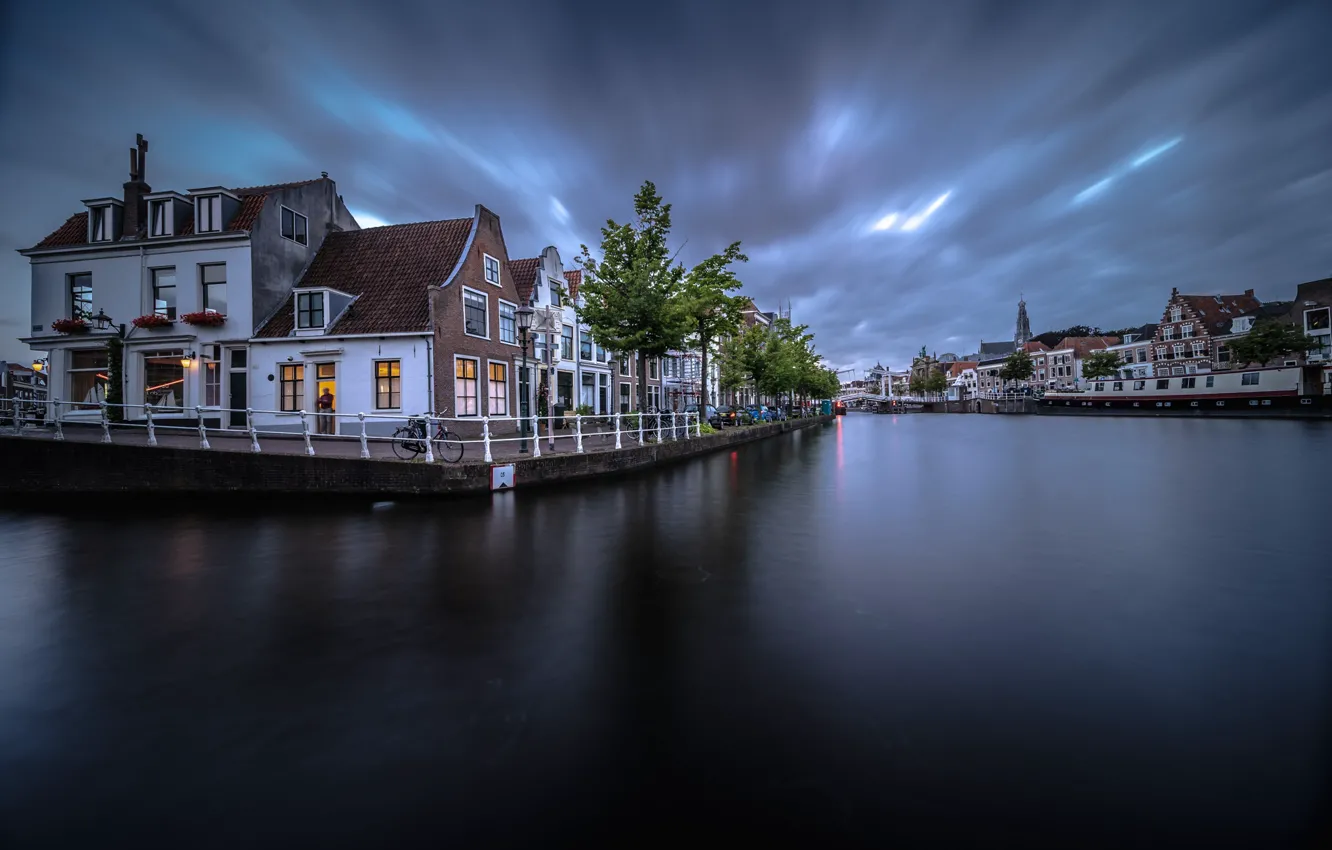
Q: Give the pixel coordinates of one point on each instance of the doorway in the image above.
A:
(237, 387)
(326, 381)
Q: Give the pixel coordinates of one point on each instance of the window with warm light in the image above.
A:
(291, 386)
(465, 386)
(388, 385)
(498, 390)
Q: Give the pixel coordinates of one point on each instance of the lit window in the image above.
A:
(498, 390)
(164, 379)
(474, 314)
(291, 386)
(88, 376)
(464, 386)
(492, 269)
(388, 385)
(293, 226)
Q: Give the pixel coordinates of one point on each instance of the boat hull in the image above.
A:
(1275, 406)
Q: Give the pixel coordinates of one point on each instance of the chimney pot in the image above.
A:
(1248, 292)
(323, 174)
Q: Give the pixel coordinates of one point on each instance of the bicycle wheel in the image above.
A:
(448, 446)
(405, 443)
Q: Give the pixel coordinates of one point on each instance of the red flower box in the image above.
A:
(207, 318)
(70, 326)
(152, 320)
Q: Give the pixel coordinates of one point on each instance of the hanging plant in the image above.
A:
(543, 400)
(70, 326)
(152, 320)
(204, 318)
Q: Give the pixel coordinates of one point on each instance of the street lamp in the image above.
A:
(524, 316)
(102, 319)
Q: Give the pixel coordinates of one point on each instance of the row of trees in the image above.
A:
(636, 297)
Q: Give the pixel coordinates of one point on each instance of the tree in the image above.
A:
(937, 382)
(631, 296)
(713, 313)
(1017, 367)
(1100, 364)
(1267, 340)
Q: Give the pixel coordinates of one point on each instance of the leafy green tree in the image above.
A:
(1100, 364)
(712, 311)
(631, 295)
(1268, 340)
(937, 382)
(732, 372)
(1018, 367)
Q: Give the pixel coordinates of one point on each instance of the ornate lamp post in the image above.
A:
(524, 315)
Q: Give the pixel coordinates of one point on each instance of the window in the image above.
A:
(101, 225)
(214, 280)
(1187, 383)
(474, 314)
(603, 393)
(1163, 384)
(1139, 385)
(566, 342)
(652, 368)
(624, 398)
(1100, 387)
(1191, 369)
(1317, 320)
(464, 386)
(584, 346)
(210, 214)
(309, 310)
(160, 222)
(555, 299)
(212, 383)
(1250, 379)
(1167, 332)
(492, 269)
(1198, 348)
(1177, 370)
(1211, 381)
(293, 226)
(1176, 313)
(164, 292)
(388, 385)
(508, 323)
(1222, 353)
(1186, 330)
(564, 390)
(80, 296)
(624, 367)
(291, 386)
(1142, 355)
(88, 376)
(587, 392)
(1119, 386)
(1178, 350)
(499, 390)
(602, 356)
(164, 379)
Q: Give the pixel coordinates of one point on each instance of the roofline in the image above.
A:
(215, 190)
(90, 247)
(271, 339)
(467, 247)
(167, 193)
(100, 201)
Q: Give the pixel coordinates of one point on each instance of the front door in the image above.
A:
(326, 381)
(237, 387)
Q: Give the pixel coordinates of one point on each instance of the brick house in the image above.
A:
(1038, 352)
(1184, 338)
(1066, 357)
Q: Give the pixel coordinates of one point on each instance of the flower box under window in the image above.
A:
(204, 318)
(152, 320)
(70, 326)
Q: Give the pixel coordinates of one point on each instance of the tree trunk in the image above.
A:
(703, 391)
(642, 382)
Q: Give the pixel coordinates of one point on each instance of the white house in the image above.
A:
(181, 279)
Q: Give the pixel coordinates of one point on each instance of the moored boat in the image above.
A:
(1280, 391)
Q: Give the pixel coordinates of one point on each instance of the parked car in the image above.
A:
(734, 415)
(713, 417)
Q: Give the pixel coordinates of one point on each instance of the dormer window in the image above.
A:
(101, 224)
(294, 227)
(208, 214)
(159, 218)
(1176, 313)
(309, 311)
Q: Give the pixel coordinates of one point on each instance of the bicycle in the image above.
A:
(409, 441)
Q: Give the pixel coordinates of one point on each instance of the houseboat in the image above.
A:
(1280, 391)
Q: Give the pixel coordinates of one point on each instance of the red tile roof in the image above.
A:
(1217, 311)
(957, 367)
(524, 274)
(73, 232)
(574, 279)
(1083, 344)
(1035, 346)
(389, 269)
(251, 206)
(273, 187)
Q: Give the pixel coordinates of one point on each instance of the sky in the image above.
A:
(899, 173)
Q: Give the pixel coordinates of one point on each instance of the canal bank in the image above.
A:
(38, 469)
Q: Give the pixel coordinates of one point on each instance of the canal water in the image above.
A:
(1011, 631)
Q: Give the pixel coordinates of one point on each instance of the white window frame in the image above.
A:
(486, 261)
(292, 238)
(1186, 330)
(1176, 313)
(213, 205)
(457, 408)
(1315, 332)
(508, 388)
(484, 298)
(1178, 350)
(556, 300)
(101, 216)
(514, 307)
(1198, 346)
(1168, 332)
(167, 218)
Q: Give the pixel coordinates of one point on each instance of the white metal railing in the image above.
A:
(407, 434)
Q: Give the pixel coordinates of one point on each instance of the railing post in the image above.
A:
(106, 423)
(365, 446)
(203, 432)
(578, 433)
(59, 428)
(305, 432)
(429, 443)
(658, 415)
(640, 427)
(485, 437)
(617, 429)
(675, 429)
(254, 435)
(152, 429)
(698, 424)
(536, 435)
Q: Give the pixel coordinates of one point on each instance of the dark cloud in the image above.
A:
(791, 126)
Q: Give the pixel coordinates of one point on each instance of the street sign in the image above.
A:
(501, 477)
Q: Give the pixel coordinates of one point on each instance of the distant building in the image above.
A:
(1190, 325)
(1023, 334)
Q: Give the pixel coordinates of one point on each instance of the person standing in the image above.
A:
(325, 407)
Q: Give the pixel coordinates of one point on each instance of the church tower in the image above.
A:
(1023, 335)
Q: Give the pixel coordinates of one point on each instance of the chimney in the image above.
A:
(1248, 292)
(136, 214)
(1174, 290)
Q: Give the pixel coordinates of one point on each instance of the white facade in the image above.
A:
(582, 369)
(1135, 355)
(386, 375)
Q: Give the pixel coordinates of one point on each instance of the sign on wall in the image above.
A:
(502, 477)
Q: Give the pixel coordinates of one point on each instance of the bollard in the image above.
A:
(152, 430)
(485, 437)
(60, 430)
(536, 436)
(305, 432)
(203, 433)
(429, 443)
(578, 433)
(365, 447)
(254, 435)
(617, 430)
(106, 424)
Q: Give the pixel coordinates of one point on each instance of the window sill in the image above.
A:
(514, 344)
(476, 336)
